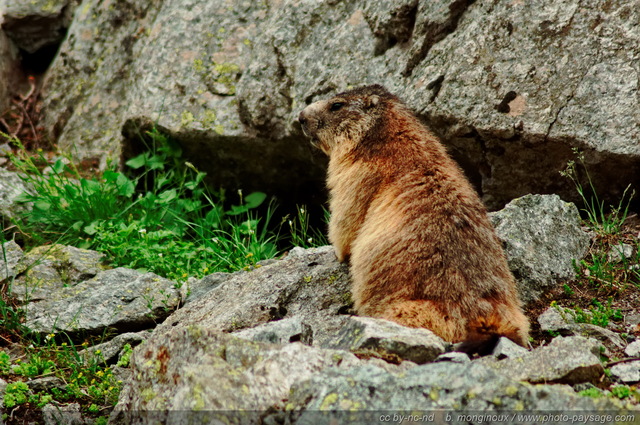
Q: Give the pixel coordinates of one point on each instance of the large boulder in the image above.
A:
(49, 268)
(512, 87)
(309, 285)
(118, 299)
(444, 392)
(199, 374)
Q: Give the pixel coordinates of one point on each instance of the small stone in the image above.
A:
(389, 340)
(46, 384)
(5, 149)
(542, 237)
(627, 373)
(569, 360)
(553, 320)
(12, 252)
(633, 349)
(119, 298)
(556, 321)
(66, 414)
(110, 351)
(454, 357)
(620, 253)
(508, 349)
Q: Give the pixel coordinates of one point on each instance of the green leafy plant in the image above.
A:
(16, 393)
(597, 314)
(162, 219)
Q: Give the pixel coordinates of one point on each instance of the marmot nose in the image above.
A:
(302, 119)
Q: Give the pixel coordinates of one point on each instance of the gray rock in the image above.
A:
(628, 372)
(360, 393)
(11, 186)
(633, 349)
(52, 267)
(542, 236)
(620, 253)
(3, 387)
(68, 414)
(309, 284)
(552, 319)
(244, 70)
(34, 24)
(291, 329)
(508, 349)
(121, 298)
(10, 256)
(198, 288)
(195, 369)
(110, 351)
(10, 74)
(569, 360)
(390, 341)
(46, 384)
(453, 356)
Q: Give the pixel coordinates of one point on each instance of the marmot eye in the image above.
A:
(336, 106)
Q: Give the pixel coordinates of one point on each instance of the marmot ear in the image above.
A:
(372, 101)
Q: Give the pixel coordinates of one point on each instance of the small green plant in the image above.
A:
(125, 356)
(622, 391)
(598, 218)
(567, 290)
(302, 234)
(591, 392)
(597, 314)
(16, 393)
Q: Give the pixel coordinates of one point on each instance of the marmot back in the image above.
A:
(421, 248)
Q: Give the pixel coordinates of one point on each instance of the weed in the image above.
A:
(598, 218)
(597, 314)
(622, 391)
(567, 289)
(302, 234)
(125, 356)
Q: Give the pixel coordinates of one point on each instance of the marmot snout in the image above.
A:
(421, 248)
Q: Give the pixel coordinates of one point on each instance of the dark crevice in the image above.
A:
(433, 32)
(435, 87)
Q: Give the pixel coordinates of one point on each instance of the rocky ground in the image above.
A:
(278, 344)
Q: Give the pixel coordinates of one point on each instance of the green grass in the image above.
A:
(301, 232)
(158, 216)
(599, 270)
(603, 220)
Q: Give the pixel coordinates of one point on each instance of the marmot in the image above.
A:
(421, 248)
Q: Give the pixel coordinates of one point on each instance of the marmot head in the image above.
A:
(345, 119)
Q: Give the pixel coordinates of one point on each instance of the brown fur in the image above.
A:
(422, 250)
